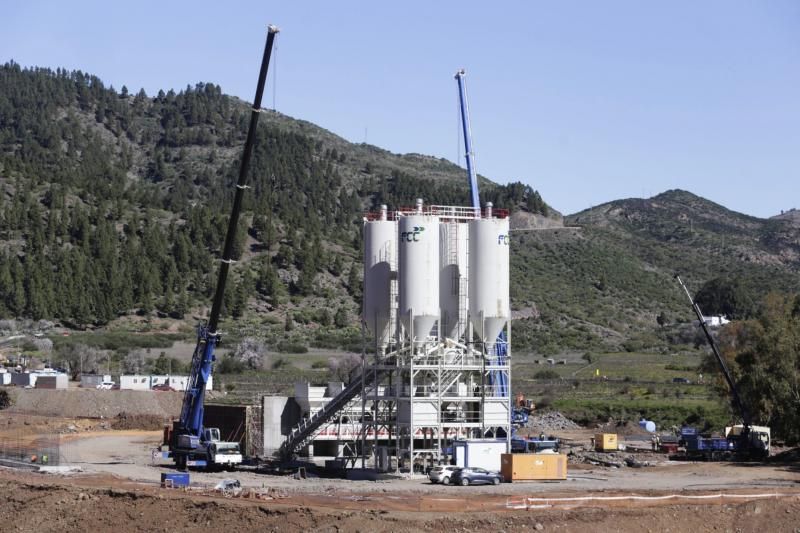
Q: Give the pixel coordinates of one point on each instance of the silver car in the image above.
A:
(442, 474)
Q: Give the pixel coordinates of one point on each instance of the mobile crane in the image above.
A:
(498, 379)
(744, 442)
(192, 444)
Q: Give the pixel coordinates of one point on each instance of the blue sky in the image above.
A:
(586, 101)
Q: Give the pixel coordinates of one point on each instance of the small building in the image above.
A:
(480, 453)
(5, 377)
(134, 382)
(92, 381)
(715, 321)
(178, 383)
(159, 380)
(23, 379)
(52, 381)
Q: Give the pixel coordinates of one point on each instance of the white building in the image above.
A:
(134, 382)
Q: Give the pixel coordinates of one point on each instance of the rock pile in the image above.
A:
(550, 421)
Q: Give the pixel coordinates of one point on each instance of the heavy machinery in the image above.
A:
(743, 442)
(190, 443)
(499, 380)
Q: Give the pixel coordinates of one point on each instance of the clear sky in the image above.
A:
(585, 101)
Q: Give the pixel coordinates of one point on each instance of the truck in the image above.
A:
(210, 451)
(742, 442)
(190, 443)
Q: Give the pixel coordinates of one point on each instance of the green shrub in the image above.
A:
(291, 347)
(546, 374)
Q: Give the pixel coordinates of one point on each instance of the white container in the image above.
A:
(52, 381)
(380, 261)
(489, 306)
(479, 453)
(91, 381)
(418, 269)
(134, 382)
(453, 278)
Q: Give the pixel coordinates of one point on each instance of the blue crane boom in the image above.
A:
(189, 439)
(462, 99)
(496, 378)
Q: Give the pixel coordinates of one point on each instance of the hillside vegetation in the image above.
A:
(113, 207)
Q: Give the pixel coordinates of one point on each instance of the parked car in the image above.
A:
(442, 474)
(469, 476)
(106, 385)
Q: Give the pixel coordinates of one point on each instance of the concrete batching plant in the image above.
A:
(436, 303)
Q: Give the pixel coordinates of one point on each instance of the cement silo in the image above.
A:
(489, 306)
(380, 261)
(418, 270)
(453, 278)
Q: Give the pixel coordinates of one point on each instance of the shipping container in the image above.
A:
(605, 442)
(533, 466)
(55, 381)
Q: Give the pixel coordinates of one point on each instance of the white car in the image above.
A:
(442, 474)
(106, 385)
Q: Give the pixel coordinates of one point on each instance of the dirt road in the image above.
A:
(119, 489)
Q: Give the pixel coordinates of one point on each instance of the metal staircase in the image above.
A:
(305, 430)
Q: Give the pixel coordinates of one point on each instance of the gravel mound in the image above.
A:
(93, 403)
(550, 421)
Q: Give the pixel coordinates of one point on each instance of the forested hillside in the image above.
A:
(607, 279)
(114, 204)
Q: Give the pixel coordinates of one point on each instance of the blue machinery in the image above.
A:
(462, 98)
(496, 378)
(185, 441)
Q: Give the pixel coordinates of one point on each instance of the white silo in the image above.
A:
(380, 260)
(489, 306)
(452, 279)
(418, 272)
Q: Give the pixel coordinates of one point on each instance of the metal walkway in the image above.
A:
(304, 432)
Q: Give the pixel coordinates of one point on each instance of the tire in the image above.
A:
(464, 482)
(446, 480)
(496, 481)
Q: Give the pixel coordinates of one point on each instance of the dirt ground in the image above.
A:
(119, 489)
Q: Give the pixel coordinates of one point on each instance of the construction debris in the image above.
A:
(550, 421)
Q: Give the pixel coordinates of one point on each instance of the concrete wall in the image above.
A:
(279, 415)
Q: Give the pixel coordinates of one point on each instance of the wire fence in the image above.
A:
(33, 450)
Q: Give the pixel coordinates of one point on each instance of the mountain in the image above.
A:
(113, 207)
(604, 279)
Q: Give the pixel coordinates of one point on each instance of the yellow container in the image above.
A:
(533, 466)
(605, 442)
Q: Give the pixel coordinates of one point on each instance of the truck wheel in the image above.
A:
(445, 480)
(464, 482)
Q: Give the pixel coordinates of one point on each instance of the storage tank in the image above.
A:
(452, 278)
(380, 256)
(418, 272)
(489, 306)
